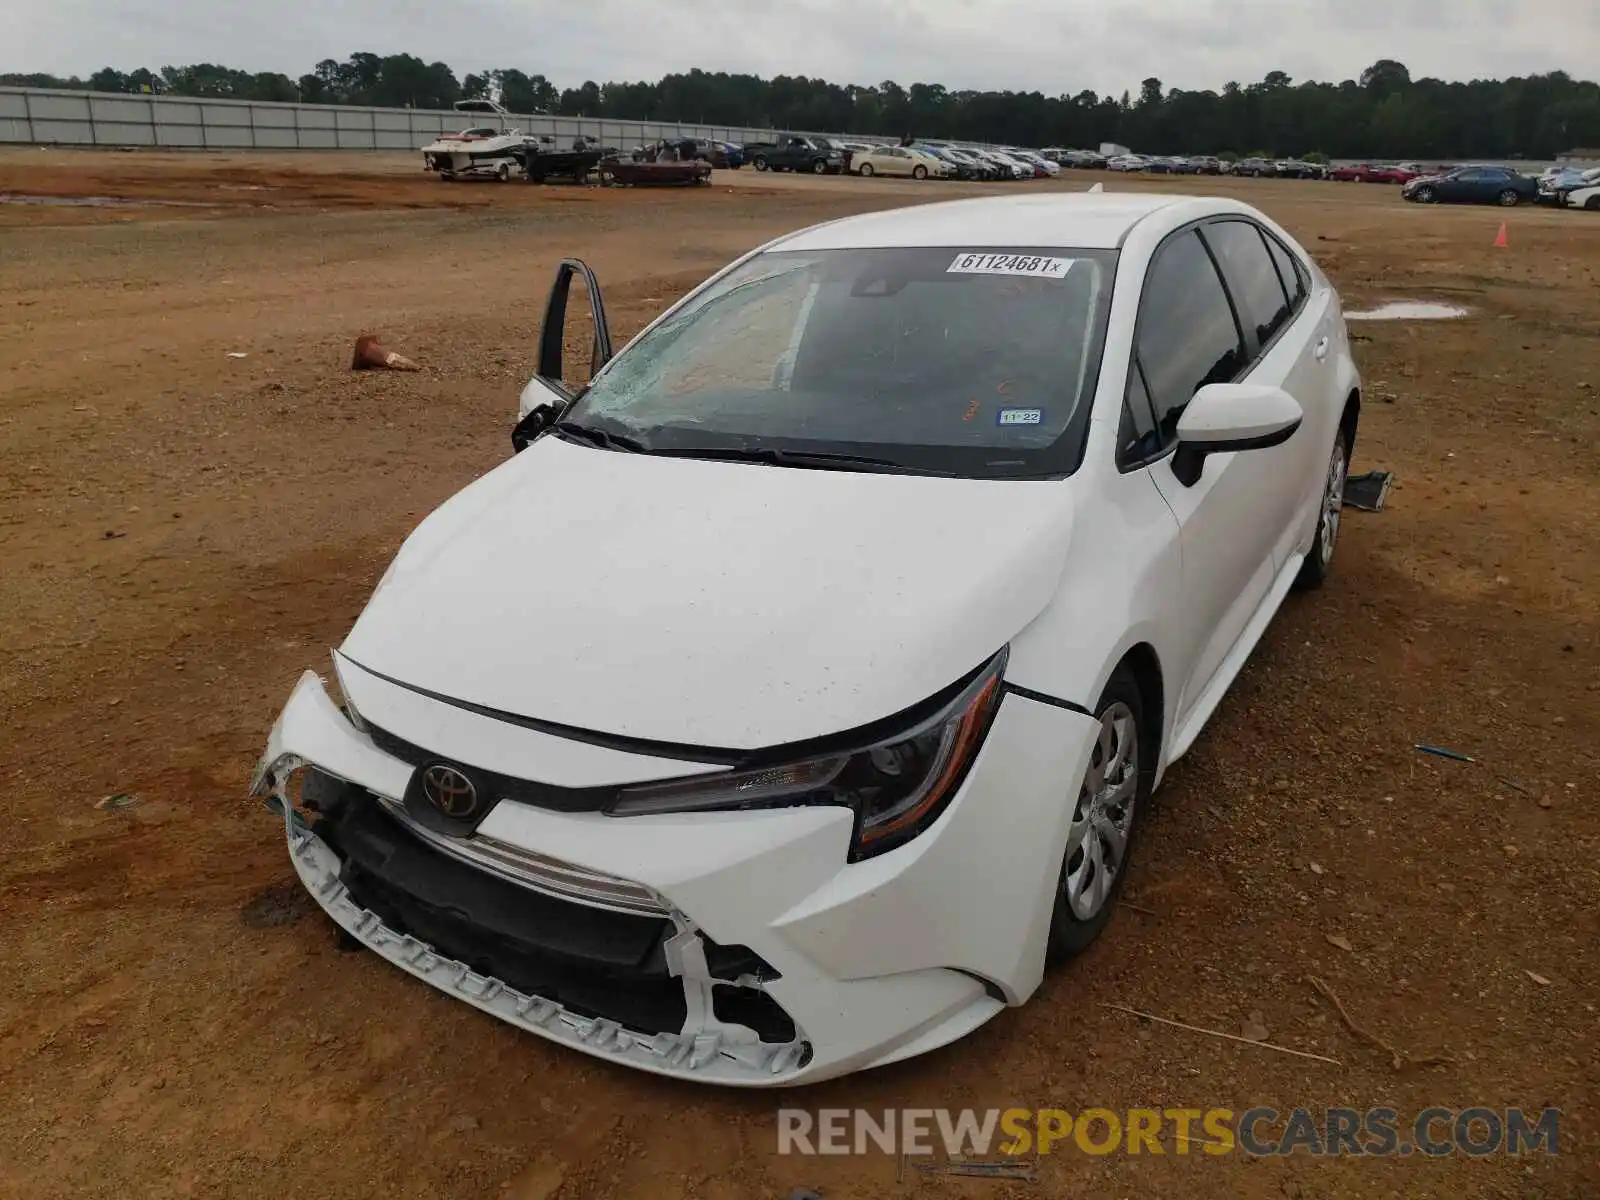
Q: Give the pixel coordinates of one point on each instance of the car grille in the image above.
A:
(541, 872)
(593, 961)
(504, 787)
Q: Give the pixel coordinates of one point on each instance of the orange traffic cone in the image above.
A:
(1500, 238)
(370, 356)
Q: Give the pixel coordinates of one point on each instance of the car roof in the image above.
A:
(1091, 221)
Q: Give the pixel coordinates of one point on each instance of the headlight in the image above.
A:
(897, 785)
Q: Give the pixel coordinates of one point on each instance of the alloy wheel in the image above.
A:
(1332, 502)
(1097, 843)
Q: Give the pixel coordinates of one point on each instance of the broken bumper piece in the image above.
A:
(707, 1056)
(767, 959)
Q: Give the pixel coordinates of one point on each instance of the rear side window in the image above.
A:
(1187, 334)
(1289, 270)
(1252, 278)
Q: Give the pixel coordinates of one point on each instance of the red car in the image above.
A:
(1376, 173)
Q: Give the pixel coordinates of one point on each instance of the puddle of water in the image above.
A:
(96, 201)
(1409, 310)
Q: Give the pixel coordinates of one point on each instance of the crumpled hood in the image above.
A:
(729, 605)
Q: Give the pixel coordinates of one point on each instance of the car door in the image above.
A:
(1492, 181)
(1188, 335)
(1289, 334)
(1460, 185)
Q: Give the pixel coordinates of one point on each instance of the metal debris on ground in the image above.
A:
(371, 356)
(1026, 1170)
(1457, 756)
(117, 802)
(1368, 492)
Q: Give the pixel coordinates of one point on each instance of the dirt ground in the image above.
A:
(183, 531)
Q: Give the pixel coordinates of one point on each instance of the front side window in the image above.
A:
(1187, 336)
(977, 362)
(1252, 278)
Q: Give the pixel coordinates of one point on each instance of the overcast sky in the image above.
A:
(1054, 46)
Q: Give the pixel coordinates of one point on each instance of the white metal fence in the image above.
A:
(37, 116)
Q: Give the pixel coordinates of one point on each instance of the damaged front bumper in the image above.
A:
(710, 1054)
(860, 964)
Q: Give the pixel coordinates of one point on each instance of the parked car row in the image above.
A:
(1567, 187)
(818, 155)
(1439, 184)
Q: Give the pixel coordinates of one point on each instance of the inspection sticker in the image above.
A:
(1019, 416)
(1033, 265)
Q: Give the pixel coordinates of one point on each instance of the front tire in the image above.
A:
(819, 167)
(866, 170)
(919, 172)
(1110, 800)
(1425, 195)
(1318, 565)
(1592, 204)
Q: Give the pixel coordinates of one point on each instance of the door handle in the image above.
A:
(1321, 349)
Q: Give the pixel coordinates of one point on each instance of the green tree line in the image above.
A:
(1384, 113)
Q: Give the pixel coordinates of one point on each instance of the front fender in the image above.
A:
(1121, 587)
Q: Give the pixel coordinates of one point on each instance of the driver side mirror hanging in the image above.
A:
(552, 338)
(555, 321)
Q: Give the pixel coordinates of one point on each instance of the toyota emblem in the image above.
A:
(449, 791)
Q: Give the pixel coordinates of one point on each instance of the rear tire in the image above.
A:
(761, 163)
(1110, 802)
(1592, 204)
(1318, 565)
(1510, 198)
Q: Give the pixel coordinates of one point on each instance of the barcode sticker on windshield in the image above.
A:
(1010, 264)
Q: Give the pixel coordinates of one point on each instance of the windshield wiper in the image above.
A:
(821, 459)
(603, 438)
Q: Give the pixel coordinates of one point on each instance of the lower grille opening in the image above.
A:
(640, 1001)
(596, 962)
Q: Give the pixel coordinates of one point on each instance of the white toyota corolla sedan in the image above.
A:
(791, 698)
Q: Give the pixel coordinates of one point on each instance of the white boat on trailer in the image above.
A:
(490, 149)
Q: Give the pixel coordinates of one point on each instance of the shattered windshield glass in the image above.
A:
(972, 362)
